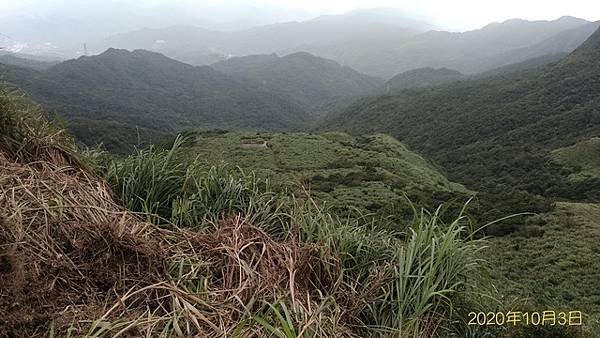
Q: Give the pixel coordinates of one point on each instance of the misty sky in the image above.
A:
(454, 15)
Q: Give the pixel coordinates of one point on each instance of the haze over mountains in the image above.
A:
(61, 27)
(379, 42)
(376, 47)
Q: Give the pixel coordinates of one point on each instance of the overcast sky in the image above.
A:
(456, 15)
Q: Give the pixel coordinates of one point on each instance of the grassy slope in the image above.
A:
(556, 268)
(371, 173)
(584, 156)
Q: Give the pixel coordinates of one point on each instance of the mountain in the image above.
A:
(357, 29)
(62, 27)
(123, 92)
(308, 81)
(563, 42)
(185, 43)
(496, 134)
(359, 25)
(26, 61)
(470, 52)
(422, 77)
(428, 77)
(376, 42)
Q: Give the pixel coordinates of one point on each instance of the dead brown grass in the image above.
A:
(66, 247)
(69, 255)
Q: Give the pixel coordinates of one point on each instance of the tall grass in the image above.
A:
(434, 265)
(168, 186)
(27, 136)
(149, 180)
(371, 281)
(211, 194)
(403, 284)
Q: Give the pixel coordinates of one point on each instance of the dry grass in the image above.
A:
(69, 253)
(66, 248)
(27, 136)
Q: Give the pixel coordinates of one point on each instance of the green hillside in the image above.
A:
(375, 174)
(584, 157)
(422, 77)
(307, 80)
(555, 264)
(495, 135)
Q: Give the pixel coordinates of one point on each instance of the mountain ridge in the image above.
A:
(381, 50)
(422, 77)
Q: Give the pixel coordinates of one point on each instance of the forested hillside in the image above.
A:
(309, 81)
(122, 91)
(495, 134)
(120, 98)
(422, 77)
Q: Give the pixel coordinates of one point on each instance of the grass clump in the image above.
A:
(148, 181)
(170, 189)
(27, 136)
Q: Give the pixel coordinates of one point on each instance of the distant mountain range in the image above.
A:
(430, 77)
(369, 43)
(119, 97)
(201, 46)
